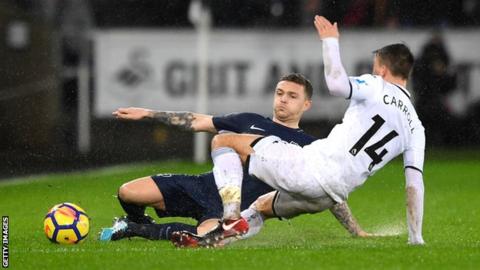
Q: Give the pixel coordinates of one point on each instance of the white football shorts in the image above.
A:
(286, 206)
(281, 165)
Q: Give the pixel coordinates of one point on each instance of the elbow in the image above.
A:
(338, 84)
(339, 88)
(336, 91)
(415, 188)
(414, 179)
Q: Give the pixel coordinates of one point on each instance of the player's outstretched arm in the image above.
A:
(188, 121)
(335, 74)
(342, 213)
(415, 191)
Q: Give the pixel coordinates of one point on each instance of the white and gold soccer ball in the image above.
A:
(66, 223)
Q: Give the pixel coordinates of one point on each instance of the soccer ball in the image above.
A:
(66, 223)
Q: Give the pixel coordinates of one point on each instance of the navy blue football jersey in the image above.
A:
(252, 123)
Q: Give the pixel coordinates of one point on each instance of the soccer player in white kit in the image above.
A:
(379, 124)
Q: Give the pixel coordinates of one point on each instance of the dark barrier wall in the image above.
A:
(29, 96)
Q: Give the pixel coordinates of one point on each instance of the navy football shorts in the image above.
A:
(196, 196)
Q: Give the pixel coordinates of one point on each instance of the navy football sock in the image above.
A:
(159, 231)
(135, 213)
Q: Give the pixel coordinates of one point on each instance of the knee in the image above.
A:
(219, 140)
(264, 204)
(125, 193)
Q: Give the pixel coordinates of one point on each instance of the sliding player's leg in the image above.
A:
(254, 216)
(278, 205)
(257, 213)
(186, 239)
(135, 195)
(287, 205)
(229, 151)
(281, 205)
(252, 189)
(123, 228)
(193, 196)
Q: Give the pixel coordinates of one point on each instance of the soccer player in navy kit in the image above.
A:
(196, 196)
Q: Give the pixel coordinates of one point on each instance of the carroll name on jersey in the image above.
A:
(398, 103)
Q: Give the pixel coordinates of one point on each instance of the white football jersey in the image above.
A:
(379, 124)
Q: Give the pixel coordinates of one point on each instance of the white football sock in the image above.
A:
(228, 172)
(255, 222)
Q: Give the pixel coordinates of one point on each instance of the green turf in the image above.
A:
(451, 225)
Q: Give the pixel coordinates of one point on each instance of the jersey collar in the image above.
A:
(405, 91)
(282, 126)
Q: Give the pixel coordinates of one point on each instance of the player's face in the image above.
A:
(378, 68)
(290, 102)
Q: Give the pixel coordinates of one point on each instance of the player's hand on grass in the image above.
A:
(131, 113)
(416, 241)
(325, 28)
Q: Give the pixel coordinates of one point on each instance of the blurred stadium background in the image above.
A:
(67, 64)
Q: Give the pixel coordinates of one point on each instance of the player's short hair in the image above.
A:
(300, 79)
(397, 57)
